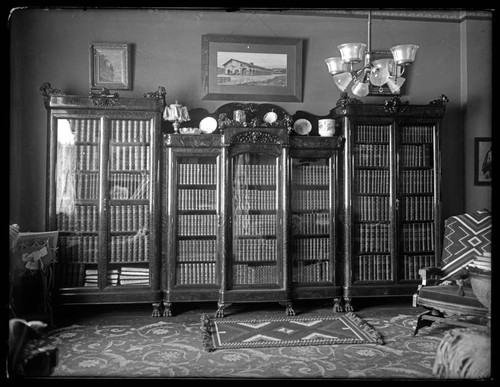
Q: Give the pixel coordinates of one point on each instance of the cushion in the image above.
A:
(448, 297)
(465, 237)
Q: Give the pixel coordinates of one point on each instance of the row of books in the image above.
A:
(130, 157)
(129, 185)
(121, 276)
(416, 155)
(372, 181)
(311, 271)
(417, 181)
(254, 174)
(86, 157)
(311, 223)
(196, 225)
(311, 174)
(418, 208)
(373, 237)
(250, 225)
(196, 250)
(129, 248)
(372, 133)
(254, 274)
(130, 217)
(86, 184)
(75, 275)
(373, 267)
(84, 218)
(418, 237)
(84, 130)
(254, 250)
(310, 248)
(130, 130)
(370, 208)
(310, 199)
(416, 134)
(78, 248)
(413, 263)
(195, 273)
(371, 155)
(197, 199)
(203, 174)
(254, 199)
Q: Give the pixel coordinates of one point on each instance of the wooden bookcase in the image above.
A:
(391, 193)
(239, 224)
(103, 197)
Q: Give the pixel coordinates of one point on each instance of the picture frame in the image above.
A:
(110, 65)
(242, 68)
(482, 161)
(384, 89)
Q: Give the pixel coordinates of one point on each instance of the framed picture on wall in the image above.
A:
(482, 161)
(110, 65)
(239, 68)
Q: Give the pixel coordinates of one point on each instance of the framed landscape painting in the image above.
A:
(110, 65)
(239, 68)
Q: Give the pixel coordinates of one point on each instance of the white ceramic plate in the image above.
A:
(208, 125)
(270, 117)
(302, 126)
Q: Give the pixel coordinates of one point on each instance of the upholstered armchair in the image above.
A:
(446, 292)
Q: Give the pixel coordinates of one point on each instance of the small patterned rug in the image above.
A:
(227, 333)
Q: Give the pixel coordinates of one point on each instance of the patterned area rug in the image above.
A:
(286, 331)
(145, 347)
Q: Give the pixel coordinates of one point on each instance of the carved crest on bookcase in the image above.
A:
(395, 105)
(48, 91)
(442, 101)
(161, 93)
(345, 100)
(100, 96)
(255, 137)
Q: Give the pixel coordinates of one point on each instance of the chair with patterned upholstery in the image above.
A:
(451, 298)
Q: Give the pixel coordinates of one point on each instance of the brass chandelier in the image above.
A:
(378, 72)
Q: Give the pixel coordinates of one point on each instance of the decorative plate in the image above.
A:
(270, 117)
(302, 126)
(208, 125)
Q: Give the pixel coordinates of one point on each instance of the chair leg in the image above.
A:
(422, 321)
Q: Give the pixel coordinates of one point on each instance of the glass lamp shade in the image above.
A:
(336, 65)
(395, 84)
(404, 54)
(360, 89)
(342, 80)
(176, 112)
(386, 63)
(352, 52)
(379, 76)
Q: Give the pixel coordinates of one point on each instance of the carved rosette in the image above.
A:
(161, 93)
(345, 100)
(442, 101)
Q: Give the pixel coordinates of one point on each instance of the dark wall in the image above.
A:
(53, 46)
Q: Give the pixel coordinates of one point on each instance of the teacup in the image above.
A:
(326, 127)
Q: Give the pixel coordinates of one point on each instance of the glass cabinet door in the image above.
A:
(311, 231)
(197, 220)
(129, 192)
(255, 199)
(77, 200)
(372, 259)
(417, 199)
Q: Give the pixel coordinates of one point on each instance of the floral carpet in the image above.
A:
(141, 347)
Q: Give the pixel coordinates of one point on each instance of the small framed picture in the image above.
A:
(110, 65)
(34, 250)
(482, 161)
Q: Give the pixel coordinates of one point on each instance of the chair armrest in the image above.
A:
(426, 273)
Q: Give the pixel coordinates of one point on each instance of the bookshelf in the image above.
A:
(391, 184)
(102, 198)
